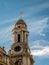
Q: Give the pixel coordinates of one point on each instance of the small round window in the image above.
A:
(17, 48)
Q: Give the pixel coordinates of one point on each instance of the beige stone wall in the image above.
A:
(24, 61)
(29, 63)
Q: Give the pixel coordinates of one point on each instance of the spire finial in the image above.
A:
(21, 14)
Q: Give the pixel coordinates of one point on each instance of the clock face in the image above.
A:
(17, 48)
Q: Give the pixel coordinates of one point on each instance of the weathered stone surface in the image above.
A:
(19, 54)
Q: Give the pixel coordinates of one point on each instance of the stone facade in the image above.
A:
(19, 54)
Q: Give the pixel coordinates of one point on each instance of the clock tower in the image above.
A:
(20, 53)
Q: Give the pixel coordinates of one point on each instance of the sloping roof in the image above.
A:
(20, 21)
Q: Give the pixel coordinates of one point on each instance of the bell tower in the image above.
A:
(20, 52)
(20, 33)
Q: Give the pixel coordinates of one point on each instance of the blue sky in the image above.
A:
(36, 16)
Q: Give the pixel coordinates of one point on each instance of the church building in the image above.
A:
(19, 53)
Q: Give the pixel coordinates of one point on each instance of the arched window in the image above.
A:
(18, 37)
(17, 63)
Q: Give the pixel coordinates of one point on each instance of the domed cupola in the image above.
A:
(21, 24)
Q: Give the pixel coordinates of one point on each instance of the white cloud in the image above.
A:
(36, 47)
(43, 34)
(43, 52)
(38, 43)
(5, 34)
(40, 48)
(8, 21)
(38, 26)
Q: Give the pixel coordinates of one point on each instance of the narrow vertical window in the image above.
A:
(17, 63)
(18, 37)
